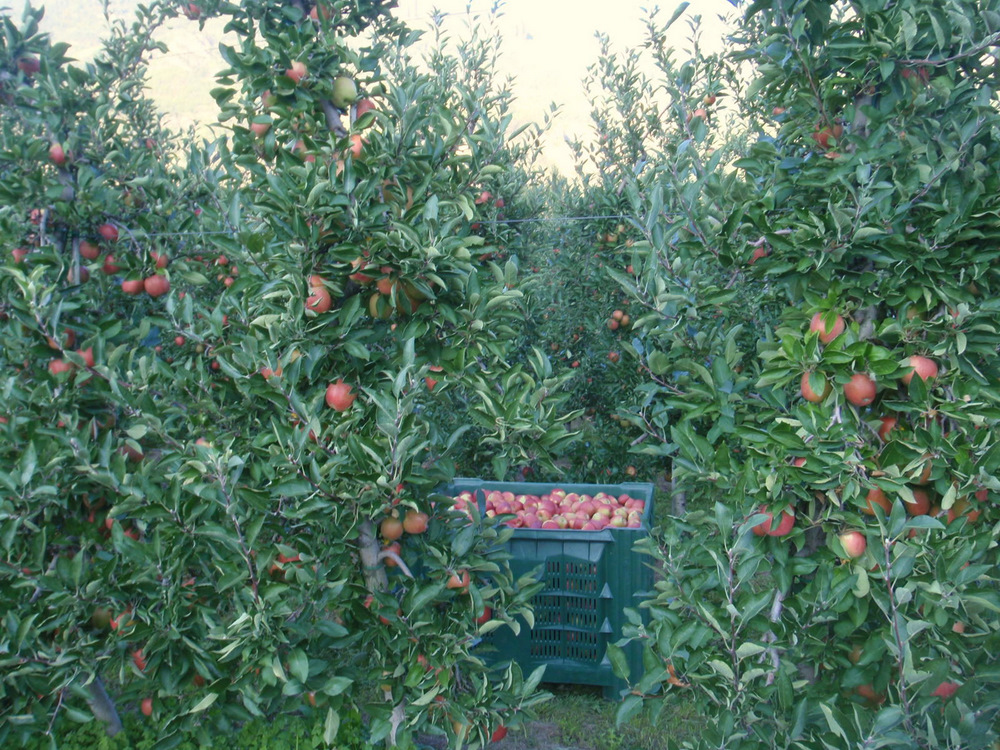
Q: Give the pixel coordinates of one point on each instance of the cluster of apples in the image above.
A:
(861, 389)
(559, 509)
(619, 319)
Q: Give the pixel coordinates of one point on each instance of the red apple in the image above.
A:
(156, 285)
(28, 65)
(921, 504)
(946, 689)
(922, 366)
(133, 286)
(319, 299)
(298, 71)
(57, 155)
(827, 333)
(854, 543)
(356, 147)
(886, 426)
(88, 355)
(960, 508)
(59, 366)
(823, 136)
(875, 497)
(459, 580)
(89, 251)
(339, 396)
(531, 521)
(814, 387)
(784, 526)
(415, 522)
(485, 616)
(860, 390)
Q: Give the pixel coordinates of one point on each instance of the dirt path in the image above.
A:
(540, 735)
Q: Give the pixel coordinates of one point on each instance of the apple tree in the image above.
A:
(366, 298)
(834, 583)
(97, 200)
(655, 119)
(217, 366)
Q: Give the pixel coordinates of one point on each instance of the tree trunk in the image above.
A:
(103, 707)
(371, 567)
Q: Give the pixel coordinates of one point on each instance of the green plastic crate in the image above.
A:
(590, 578)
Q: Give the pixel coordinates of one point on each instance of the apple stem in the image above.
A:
(777, 606)
(369, 551)
(391, 555)
(39, 590)
(640, 439)
(866, 318)
(901, 646)
(333, 121)
(678, 502)
(395, 721)
(220, 476)
(101, 706)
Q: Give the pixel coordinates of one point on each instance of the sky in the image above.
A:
(548, 45)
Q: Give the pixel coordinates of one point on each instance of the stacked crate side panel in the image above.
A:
(590, 578)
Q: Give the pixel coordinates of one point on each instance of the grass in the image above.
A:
(578, 717)
(584, 720)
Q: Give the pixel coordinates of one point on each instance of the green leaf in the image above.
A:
(659, 363)
(331, 726)
(298, 665)
(337, 685)
(629, 708)
(533, 680)
(722, 668)
(862, 585)
(619, 664)
(748, 649)
(29, 461)
(423, 596)
(830, 721)
(204, 703)
(234, 209)
(427, 697)
(463, 541)
(431, 209)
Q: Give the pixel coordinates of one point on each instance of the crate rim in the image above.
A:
(644, 491)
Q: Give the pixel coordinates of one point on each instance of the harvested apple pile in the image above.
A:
(559, 509)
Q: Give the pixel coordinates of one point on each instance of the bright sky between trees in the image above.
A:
(548, 45)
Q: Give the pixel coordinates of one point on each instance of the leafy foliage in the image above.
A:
(860, 203)
(195, 485)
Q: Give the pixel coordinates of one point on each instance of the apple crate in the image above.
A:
(590, 578)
